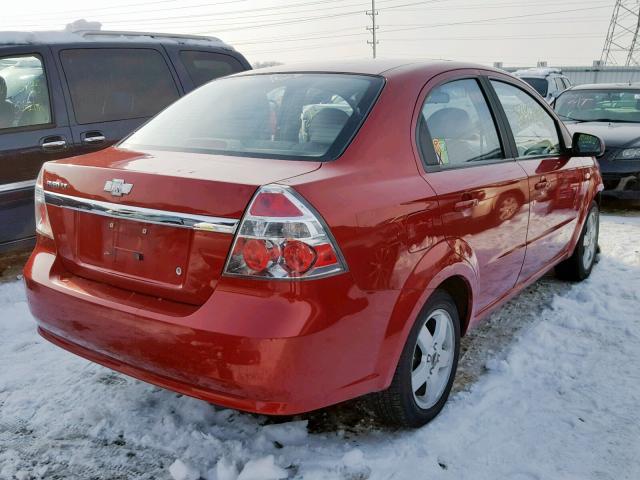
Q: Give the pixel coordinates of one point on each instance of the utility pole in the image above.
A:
(621, 46)
(373, 13)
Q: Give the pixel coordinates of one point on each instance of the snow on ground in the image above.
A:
(556, 396)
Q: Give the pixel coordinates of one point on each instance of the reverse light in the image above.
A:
(43, 227)
(282, 237)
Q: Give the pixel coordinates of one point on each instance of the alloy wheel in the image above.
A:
(432, 359)
(590, 240)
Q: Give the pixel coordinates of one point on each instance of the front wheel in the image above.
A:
(426, 369)
(579, 265)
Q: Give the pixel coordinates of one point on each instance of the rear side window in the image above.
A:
(540, 85)
(534, 130)
(457, 126)
(24, 96)
(117, 84)
(206, 66)
(288, 116)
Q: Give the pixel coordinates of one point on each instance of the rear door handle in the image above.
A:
(93, 138)
(542, 184)
(53, 144)
(465, 204)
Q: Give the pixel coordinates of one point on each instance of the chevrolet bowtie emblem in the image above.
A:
(117, 187)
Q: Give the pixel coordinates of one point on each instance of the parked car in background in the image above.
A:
(283, 241)
(66, 94)
(548, 82)
(611, 111)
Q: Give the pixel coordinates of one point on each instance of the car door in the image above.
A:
(34, 128)
(112, 90)
(556, 180)
(482, 192)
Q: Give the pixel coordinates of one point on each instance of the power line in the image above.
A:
(471, 22)
(120, 7)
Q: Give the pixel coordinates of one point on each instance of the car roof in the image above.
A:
(539, 72)
(63, 37)
(607, 86)
(385, 67)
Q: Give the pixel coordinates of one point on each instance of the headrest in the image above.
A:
(327, 124)
(3, 89)
(449, 123)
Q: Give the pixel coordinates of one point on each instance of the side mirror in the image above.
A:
(587, 145)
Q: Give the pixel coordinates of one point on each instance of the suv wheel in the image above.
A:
(426, 369)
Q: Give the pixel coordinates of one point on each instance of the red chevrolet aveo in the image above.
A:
(283, 240)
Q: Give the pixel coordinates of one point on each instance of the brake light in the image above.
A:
(43, 227)
(282, 237)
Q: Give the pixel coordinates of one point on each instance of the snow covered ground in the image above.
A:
(549, 388)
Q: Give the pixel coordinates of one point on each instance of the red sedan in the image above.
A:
(282, 240)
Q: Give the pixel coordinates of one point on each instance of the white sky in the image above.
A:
(516, 32)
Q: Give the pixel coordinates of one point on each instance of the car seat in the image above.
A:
(7, 109)
(326, 125)
(454, 126)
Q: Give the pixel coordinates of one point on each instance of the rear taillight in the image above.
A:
(282, 237)
(43, 227)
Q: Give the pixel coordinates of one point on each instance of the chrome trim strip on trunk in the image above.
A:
(140, 214)
(7, 187)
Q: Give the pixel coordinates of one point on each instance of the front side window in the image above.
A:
(117, 83)
(289, 116)
(534, 130)
(540, 85)
(457, 125)
(206, 66)
(600, 105)
(24, 96)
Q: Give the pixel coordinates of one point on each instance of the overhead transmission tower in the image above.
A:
(621, 46)
(373, 13)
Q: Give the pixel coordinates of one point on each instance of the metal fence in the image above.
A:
(598, 74)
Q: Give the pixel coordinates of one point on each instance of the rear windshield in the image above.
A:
(288, 116)
(539, 84)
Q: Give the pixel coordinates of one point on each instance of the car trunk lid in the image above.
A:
(158, 223)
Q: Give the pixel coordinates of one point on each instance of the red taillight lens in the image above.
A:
(298, 256)
(43, 227)
(256, 255)
(273, 204)
(281, 237)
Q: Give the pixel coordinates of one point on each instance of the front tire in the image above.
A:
(579, 265)
(427, 367)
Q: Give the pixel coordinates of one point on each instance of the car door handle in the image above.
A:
(541, 185)
(53, 144)
(94, 139)
(465, 204)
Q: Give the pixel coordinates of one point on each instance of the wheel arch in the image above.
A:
(440, 268)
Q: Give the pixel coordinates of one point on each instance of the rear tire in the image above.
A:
(423, 379)
(579, 265)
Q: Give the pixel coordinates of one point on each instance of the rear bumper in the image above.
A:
(273, 350)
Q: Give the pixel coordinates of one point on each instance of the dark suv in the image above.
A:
(64, 94)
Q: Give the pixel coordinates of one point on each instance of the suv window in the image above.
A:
(457, 125)
(540, 85)
(289, 116)
(117, 83)
(559, 84)
(24, 96)
(534, 130)
(206, 66)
